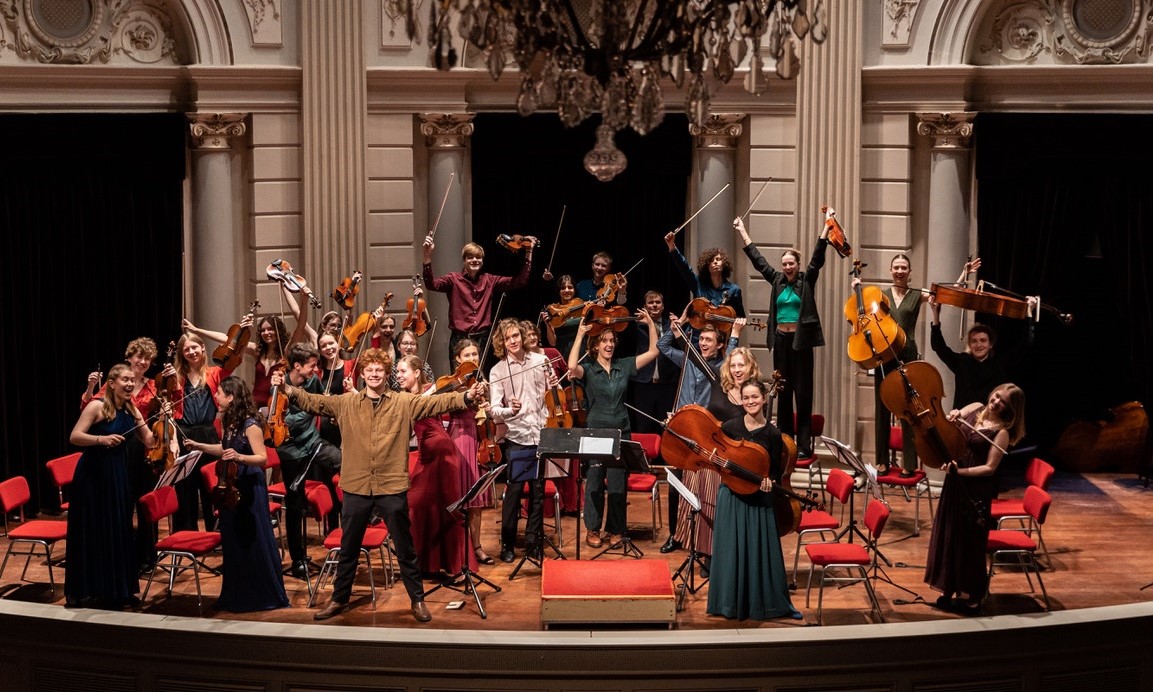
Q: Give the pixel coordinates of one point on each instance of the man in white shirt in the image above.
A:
(518, 383)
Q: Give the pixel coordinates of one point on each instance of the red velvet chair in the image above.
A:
(917, 482)
(1019, 543)
(839, 486)
(646, 483)
(179, 551)
(42, 533)
(277, 491)
(812, 465)
(375, 539)
(62, 470)
(1037, 474)
(208, 474)
(851, 557)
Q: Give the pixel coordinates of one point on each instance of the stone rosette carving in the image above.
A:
(83, 32)
(720, 131)
(446, 130)
(897, 22)
(947, 130)
(1069, 32)
(216, 131)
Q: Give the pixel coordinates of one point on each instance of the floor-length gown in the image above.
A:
(434, 484)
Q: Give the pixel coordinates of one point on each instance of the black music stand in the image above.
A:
(579, 444)
(182, 468)
(632, 459)
(469, 578)
(694, 561)
(534, 552)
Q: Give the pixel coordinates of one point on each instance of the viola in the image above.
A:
(515, 243)
(345, 293)
(876, 336)
(602, 317)
(230, 354)
(836, 234)
(417, 318)
(556, 403)
(558, 313)
(275, 424)
(280, 270)
(351, 335)
(459, 380)
(913, 393)
(225, 494)
(722, 317)
(693, 440)
(612, 284)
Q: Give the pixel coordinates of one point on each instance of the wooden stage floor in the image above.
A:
(1096, 532)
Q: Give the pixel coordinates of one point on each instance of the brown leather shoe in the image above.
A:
(420, 611)
(593, 538)
(333, 608)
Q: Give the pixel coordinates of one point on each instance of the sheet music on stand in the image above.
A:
(181, 468)
(687, 494)
(848, 457)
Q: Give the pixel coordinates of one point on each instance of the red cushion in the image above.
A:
(40, 530)
(195, 542)
(1008, 508)
(817, 519)
(893, 477)
(608, 578)
(837, 554)
(374, 537)
(641, 482)
(1009, 540)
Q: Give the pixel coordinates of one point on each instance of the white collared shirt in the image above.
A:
(527, 381)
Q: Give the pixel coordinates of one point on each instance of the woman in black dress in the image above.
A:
(956, 562)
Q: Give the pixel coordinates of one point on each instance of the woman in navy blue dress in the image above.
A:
(251, 571)
(101, 566)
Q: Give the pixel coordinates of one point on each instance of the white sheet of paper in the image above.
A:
(596, 445)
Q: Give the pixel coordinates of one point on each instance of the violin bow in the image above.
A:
(431, 339)
(982, 434)
(443, 201)
(698, 211)
(689, 348)
(556, 240)
(754, 202)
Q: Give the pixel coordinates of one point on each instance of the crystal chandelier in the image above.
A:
(582, 57)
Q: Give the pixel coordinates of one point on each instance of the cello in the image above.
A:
(876, 336)
(913, 393)
(230, 354)
(693, 440)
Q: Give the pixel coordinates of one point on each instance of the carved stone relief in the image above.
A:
(1065, 32)
(897, 22)
(264, 22)
(395, 18)
(81, 32)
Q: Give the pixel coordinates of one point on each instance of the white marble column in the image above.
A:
(950, 226)
(716, 145)
(216, 273)
(446, 136)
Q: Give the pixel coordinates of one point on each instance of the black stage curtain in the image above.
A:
(1065, 210)
(526, 169)
(91, 210)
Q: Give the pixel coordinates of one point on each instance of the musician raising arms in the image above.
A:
(747, 580)
(711, 279)
(470, 291)
(794, 330)
(606, 382)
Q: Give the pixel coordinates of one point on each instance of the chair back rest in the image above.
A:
(336, 484)
(208, 473)
(321, 501)
(896, 438)
(273, 458)
(159, 503)
(816, 423)
(840, 485)
(876, 516)
(14, 493)
(1039, 473)
(63, 468)
(1037, 503)
(651, 443)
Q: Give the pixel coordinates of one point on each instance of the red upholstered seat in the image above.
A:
(181, 550)
(918, 482)
(850, 557)
(839, 486)
(1019, 543)
(375, 539)
(38, 533)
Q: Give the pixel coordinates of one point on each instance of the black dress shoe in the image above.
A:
(671, 545)
(300, 570)
(707, 562)
(420, 611)
(507, 555)
(332, 609)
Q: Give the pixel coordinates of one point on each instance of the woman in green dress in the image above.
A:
(747, 576)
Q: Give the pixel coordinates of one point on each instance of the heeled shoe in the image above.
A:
(483, 557)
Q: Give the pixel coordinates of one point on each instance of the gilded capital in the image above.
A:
(216, 130)
(947, 130)
(720, 131)
(446, 130)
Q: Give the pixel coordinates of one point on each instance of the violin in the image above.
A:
(275, 424)
(163, 455)
(351, 335)
(876, 336)
(487, 448)
(515, 243)
(913, 393)
(558, 313)
(416, 320)
(603, 317)
(168, 387)
(459, 380)
(575, 401)
(230, 354)
(694, 440)
(225, 494)
(280, 270)
(701, 312)
(836, 234)
(556, 403)
(345, 293)
(612, 284)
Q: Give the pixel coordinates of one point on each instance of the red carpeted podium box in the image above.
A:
(622, 591)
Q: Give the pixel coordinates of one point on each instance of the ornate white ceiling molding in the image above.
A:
(264, 22)
(1064, 32)
(897, 23)
(84, 32)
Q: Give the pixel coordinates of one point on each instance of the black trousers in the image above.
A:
(510, 508)
(356, 513)
(193, 487)
(797, 369)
